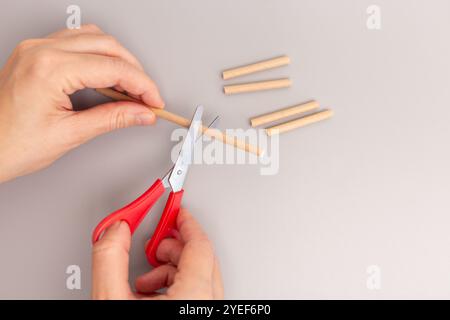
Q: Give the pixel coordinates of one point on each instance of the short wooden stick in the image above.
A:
(183, 122)
(255, 67)
(257, 86)
(284, 113)
(298, 123)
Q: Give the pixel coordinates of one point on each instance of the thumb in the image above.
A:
(108, 117)
(110, 257)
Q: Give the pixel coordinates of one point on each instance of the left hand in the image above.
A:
(37, 122)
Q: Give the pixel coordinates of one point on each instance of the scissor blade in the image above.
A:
(185, 157)
(212, 125)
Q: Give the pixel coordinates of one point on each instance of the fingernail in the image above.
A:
(162, 104)
(114, 226)
(144, 119)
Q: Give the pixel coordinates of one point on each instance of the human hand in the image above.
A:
(191, 270)
(37, 122)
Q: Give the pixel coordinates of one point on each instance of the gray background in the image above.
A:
(368, 187)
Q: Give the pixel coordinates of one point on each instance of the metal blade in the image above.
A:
(213, 125)
(179, 171)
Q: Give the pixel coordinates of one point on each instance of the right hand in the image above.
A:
(190, 270)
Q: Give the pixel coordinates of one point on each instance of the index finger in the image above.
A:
(82, 70)
(84, 29)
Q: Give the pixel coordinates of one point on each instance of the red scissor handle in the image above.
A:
(166, 225)
(132, 213)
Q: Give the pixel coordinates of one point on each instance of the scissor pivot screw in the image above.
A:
(179, 172)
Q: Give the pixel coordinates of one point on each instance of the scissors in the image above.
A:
(135, 212)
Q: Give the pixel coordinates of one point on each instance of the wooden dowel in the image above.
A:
(284, 113)
(255, 67)
(161, 113)
(298, 123)
(183, 122)
(257, 86)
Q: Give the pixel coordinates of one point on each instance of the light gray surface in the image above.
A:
(371, 186)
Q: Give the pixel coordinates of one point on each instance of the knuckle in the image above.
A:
(104, 246)
(26, 44)
(117, 63)
(25, 48)
(120, 67)
(203, 239)
(41, 63)
(118, 119)
(91, 27)
(204, 245)
(110, 40)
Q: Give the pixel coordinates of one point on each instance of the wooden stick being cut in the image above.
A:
(257, 86)
(256, 67)
(284, 113)
(183, 122)
(298, 123)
